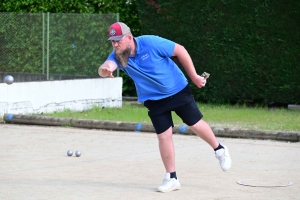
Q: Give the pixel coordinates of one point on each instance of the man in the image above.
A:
(163, 88)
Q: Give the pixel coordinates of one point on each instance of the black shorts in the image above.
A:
(182, 103)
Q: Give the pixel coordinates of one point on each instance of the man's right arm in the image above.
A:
(107, 68)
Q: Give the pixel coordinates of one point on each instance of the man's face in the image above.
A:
(123, 50)
(120, 45)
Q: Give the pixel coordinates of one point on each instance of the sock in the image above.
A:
(173, 175)
(219, 147)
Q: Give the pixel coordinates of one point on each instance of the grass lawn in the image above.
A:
(223, 116)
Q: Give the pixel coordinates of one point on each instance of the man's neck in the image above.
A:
(133, 49)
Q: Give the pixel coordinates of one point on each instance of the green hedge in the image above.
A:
(128, 11)
(77, 42)
(251, 48)
(25, 54)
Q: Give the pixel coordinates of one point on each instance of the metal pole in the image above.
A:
(48, 35)
(43, 56)
(118, 19)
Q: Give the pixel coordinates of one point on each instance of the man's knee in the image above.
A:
(166, 134)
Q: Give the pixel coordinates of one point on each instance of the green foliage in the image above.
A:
(14, 46)
(128, 88)
(251, 48)
(77, 42)
(128, 11)
(78, 47)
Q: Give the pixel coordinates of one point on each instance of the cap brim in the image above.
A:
(119, 37)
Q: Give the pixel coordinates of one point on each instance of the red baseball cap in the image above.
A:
(117, 30)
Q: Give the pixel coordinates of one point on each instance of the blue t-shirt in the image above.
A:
(155, 74)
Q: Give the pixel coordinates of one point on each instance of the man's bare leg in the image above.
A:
(166, 148)
(203, 130)
(167, 152)
(166, 145)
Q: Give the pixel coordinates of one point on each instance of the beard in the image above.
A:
(123, 56)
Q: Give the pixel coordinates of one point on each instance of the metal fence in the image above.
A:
(53, 45)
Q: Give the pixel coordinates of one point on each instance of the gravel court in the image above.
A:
(127, 165)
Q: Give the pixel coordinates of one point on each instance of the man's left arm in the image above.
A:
(185, 59)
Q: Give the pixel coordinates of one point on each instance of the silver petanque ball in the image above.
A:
(9, 79)
(78, 153)
(69, 152)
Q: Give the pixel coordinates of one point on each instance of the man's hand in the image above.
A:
(107, 69)
(200, 81)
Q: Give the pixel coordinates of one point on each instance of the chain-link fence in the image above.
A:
(51, 46)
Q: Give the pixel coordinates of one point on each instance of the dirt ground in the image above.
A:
(127, 165)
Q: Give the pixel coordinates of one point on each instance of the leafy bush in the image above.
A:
(251, 48)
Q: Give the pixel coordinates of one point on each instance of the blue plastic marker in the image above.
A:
(139, 127)
(182, 128)
(10, 117)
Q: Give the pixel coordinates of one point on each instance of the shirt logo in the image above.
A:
(144, 57)
(112, 31)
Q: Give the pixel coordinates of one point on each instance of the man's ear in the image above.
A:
(130, 37)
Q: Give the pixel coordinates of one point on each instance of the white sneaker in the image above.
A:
(224, 158)
(169, 184)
